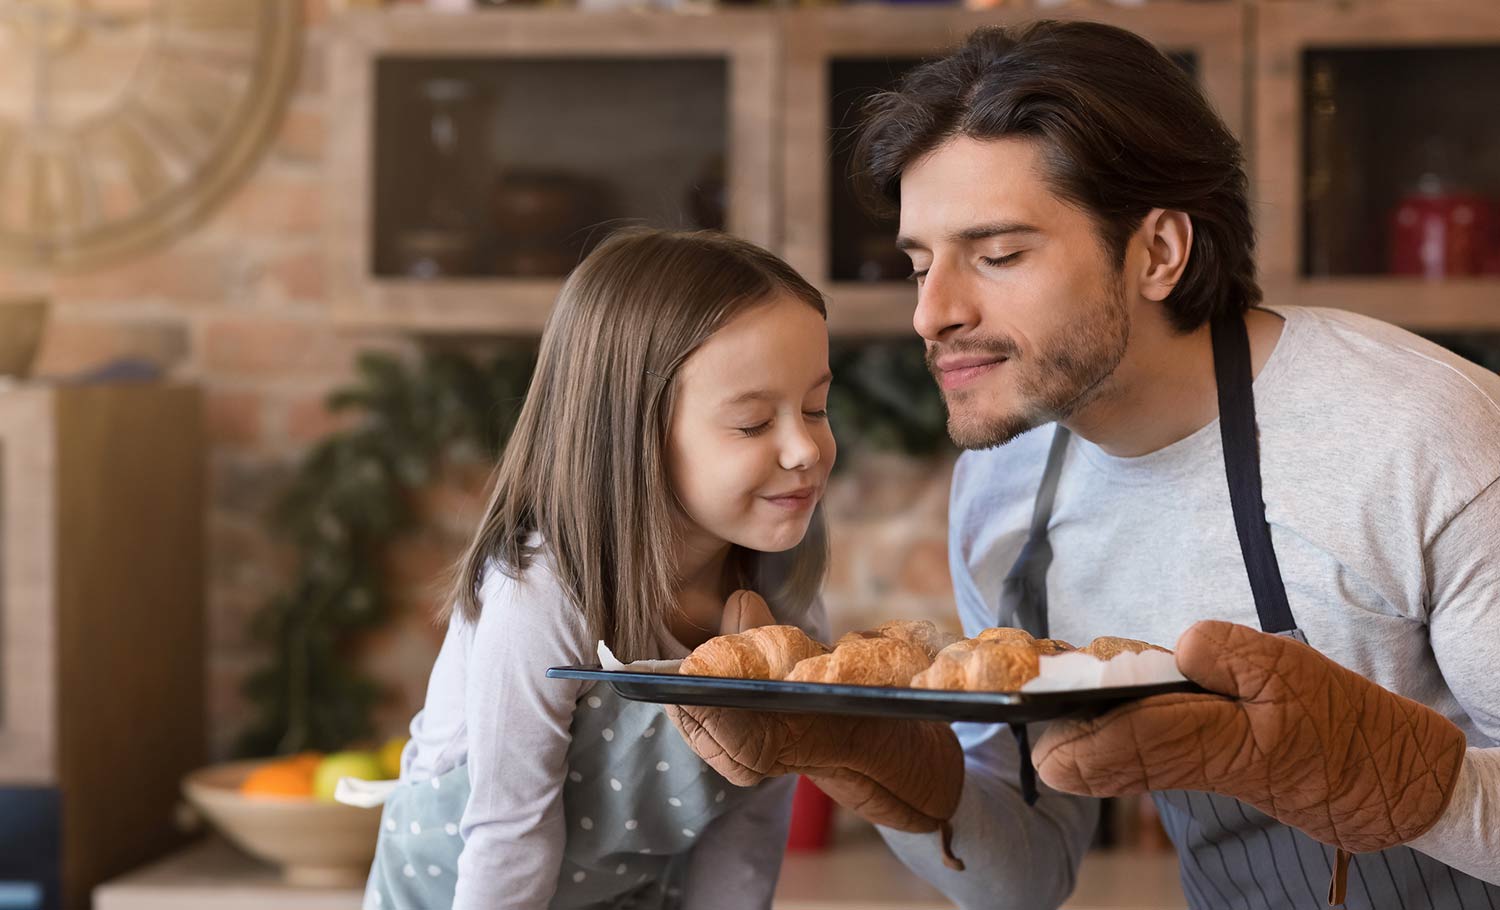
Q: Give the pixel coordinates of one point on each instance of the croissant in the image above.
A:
(865, 662)
(981, 666)
(767, 652)
(1104, 647)
(1021, 636)
(920, 632)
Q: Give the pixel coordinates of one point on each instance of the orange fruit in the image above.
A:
(287, 777)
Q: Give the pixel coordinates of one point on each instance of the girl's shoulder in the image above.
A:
(531, 604)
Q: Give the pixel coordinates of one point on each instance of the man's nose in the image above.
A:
(943, 307)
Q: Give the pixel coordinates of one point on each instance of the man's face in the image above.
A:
(1022, 308)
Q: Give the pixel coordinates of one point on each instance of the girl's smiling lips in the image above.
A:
(954, 372)
(794, 500)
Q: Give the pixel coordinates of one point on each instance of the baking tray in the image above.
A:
(880, 701)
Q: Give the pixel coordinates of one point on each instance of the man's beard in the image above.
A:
(1060, 379)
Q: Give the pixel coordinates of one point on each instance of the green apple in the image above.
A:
(363, 765)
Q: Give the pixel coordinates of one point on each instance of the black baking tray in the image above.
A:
(880, 701)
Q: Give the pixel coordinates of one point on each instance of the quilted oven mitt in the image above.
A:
(901, 774)
(1312, 744)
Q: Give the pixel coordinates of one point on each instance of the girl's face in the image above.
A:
(749, 448)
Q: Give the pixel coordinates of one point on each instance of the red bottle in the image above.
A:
(812, 817)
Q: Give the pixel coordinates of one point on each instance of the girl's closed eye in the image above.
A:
(759, 428)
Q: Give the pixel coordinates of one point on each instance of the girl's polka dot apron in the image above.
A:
(636, 798)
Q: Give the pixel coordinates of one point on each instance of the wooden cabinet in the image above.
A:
(474, 157)
(1377, 153)
(101, 627)
(1344, 106)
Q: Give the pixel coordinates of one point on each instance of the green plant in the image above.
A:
(348, 499)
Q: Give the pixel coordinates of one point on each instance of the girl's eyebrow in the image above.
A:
(764, 394)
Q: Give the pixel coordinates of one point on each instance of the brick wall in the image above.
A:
(238, 306)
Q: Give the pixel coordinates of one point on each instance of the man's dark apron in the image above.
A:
(1231, 854)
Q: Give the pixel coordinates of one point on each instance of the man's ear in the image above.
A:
(1168, 239)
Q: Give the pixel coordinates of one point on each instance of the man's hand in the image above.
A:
(1290, 732)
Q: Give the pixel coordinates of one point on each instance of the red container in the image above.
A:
(1442, 235)
(812, 818)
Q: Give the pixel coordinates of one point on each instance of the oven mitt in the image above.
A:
(900, 774)
(1304, 740)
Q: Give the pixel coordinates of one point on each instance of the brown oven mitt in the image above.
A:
(1299, 737)
(900, 774)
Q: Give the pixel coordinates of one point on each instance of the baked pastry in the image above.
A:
(1021, 636)
(767, 652)
(1006, 635)
(876, 661)
(981, 666)
(920, 632)
(1105, 647)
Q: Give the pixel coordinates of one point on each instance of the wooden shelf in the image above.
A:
(858, 875)
(1421, 306)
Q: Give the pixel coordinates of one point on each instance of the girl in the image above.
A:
(674, 447)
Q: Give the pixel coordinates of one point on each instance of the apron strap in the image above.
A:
(1023, 594)
(1231, 344)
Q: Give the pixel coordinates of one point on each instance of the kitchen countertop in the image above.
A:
(857, 873)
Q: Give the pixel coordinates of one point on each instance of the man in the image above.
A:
(1077, 221)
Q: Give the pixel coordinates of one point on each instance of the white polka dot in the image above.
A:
(614, 785)
(586, 824)
(377, 899)
(675, 803)
(650, 732)
(437, 784)
(631, 826)
(663, 766)
(579, 876)
(674, 892)
(409, 871)
(620, 869)
(434, 871)
(575, 777)
(719, 797)
(594, 701)
(642, 878)
(416, 828)
(608, 735)
(390, 824)
(450, 829)
(645, 849)
(689, 832)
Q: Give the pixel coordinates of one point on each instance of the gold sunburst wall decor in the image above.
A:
(122, 122)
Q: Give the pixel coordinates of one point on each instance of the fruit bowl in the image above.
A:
(317, 844)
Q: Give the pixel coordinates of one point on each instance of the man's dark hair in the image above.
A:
(1123, 128)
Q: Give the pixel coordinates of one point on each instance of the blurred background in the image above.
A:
(273, 273)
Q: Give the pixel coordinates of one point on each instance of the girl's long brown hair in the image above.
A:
(586, 466)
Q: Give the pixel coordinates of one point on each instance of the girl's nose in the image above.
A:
(799, 451)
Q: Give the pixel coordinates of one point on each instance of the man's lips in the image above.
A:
(799, 498)
(956, 372)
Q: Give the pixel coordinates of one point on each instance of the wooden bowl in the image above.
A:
(21, 324)
(316, 844)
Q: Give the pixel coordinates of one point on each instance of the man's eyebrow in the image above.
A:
(970, 234)
(763, 394)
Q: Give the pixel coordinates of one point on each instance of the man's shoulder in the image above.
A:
(1376, 384)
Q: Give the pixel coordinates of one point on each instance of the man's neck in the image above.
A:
(1164, 388)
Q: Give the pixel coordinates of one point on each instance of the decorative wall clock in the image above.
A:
(123, 121)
